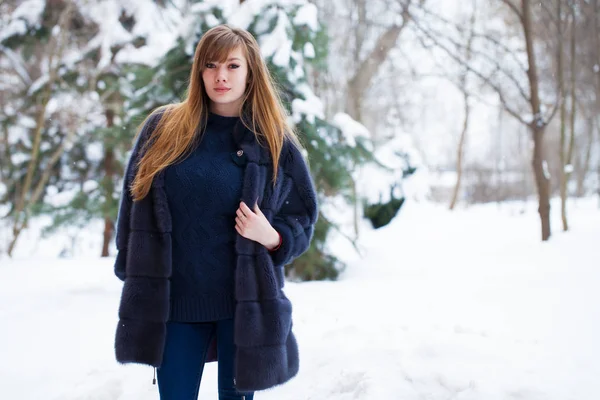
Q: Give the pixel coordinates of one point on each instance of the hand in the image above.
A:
(254, 225)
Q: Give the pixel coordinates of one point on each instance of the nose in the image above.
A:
(221, 76)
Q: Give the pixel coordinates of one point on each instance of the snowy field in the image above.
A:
(464, 305)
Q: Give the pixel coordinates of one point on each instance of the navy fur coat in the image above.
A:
(267, 352)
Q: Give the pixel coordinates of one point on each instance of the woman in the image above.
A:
(217, 199)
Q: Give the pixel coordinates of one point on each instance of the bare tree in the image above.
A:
(539, 123)
(584, 149)
(567, 161)
(539, 118)
(369, 66)
(596, 41)
(573, 36)
(365, 40)
(467, 108)
(565, 154)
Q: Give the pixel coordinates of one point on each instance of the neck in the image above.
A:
(225, 110)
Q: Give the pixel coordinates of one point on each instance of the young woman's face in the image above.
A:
(226, 83)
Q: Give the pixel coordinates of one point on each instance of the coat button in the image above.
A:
(240, 153)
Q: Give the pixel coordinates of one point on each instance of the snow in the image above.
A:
(25, 15)
(546, 169)
(110, 34)
(45, 146)
(307, 15)
(243, 14)
(63, 198)
(94, 152)
(374, 181)
(17, 62)
(350, 128)
(388, 153)
(227, 7)
(30, 11)
(90, 185)
(305, 107)
(211, 20)
(19, 158)
(311, 106)
(277, 44)
(26, 122)
(38, 84)
(309, 50)
(465, 305)
(159, 26)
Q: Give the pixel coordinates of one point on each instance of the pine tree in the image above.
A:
(43, 114)
(69, 130)
(107, 66)
(103, 87)
(290, 37)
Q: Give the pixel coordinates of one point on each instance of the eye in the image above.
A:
(234, 66)
(210, 65)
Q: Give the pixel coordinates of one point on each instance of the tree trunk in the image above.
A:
(21, 211)
(584, 168)
(537, 126)
(460, 151)
(26, 199)
(354, 98)
(369, 67)
(107, 236)
(542, 181)
(109, 173)
(568, 168)
(467, 110)
(597, 81)
(560, 76)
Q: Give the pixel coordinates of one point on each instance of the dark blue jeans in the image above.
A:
(180, 374)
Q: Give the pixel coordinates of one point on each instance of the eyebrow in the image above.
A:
(231, 59)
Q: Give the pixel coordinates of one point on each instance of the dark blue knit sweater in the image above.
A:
(204, 192)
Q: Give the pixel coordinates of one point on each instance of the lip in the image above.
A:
(222, 90)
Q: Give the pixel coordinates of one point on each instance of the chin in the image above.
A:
(221, 100)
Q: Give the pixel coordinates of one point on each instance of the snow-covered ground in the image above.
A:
(463, 305)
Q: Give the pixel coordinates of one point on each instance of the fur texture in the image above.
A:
(267, 352)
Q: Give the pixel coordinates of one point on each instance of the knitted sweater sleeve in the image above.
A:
(123, 218)
(298, 214)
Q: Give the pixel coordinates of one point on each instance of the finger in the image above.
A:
(240, 214)
(257, 209)
(239, 222)
(245, 209)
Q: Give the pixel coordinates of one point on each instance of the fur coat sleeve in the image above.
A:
(295, 220)
(124, 216)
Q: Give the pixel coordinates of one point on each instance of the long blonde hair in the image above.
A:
(177, 130)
